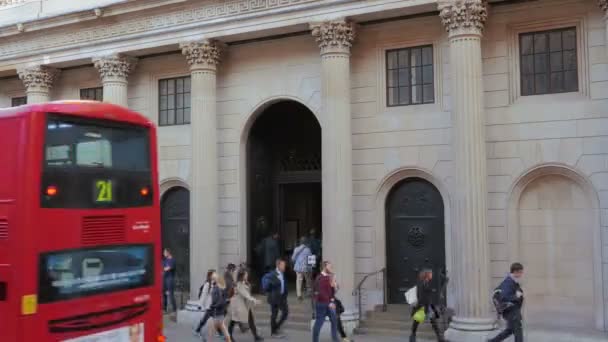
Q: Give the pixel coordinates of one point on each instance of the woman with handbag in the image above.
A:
(339, 311)
(241, 306)
(424, 307)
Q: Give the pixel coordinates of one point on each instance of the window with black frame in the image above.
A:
(94, 94)
(174, 101)
(18, 101)
(410, 76)
(548, 62)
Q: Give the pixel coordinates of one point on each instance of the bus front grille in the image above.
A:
(98, 230)
(3, 228)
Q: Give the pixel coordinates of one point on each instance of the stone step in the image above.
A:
(422, 335)
(293, 316)
(289, 325)
(398, 325)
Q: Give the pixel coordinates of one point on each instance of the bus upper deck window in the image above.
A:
(2, 291)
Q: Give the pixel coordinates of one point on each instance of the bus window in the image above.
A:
(84, 272)
(2, 291)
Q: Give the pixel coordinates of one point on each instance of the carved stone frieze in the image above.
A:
(603, 5)
(129, 27)
(334, 36)
(463, 16)
(114, 67)
(205, 53)
(38, 77)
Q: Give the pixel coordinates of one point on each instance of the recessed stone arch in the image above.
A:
(168, 183)
(385, 186)
(549, 204)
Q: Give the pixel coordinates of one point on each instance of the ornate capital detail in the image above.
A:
(603, 5)
(205, 53)
(115, 67)
(38, 77)
(463, 16)
(334, 36)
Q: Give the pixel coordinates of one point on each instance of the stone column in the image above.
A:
(203, 58)
(38, 81)
(464, 21)
(114, 71)
(335, 39)
(604, 6)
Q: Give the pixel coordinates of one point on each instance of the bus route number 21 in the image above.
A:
(103, 191)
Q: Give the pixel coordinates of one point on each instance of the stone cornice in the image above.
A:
(463, 16)
(38, 77)
(114, 67)
(335, 36)
(603, 5)
(203, 54)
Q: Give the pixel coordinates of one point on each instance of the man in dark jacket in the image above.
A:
(512, 299)
(269, 251)
(277, 298)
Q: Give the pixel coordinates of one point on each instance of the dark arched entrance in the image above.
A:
(283, 178)
(175, 218)
(415, 236)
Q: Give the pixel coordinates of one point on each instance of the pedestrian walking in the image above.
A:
(268, 250)
(325, 304)
(168, 280)
(217, 309)
(301, 267)
(241, 307)
(229, 276)
(275, 285)
(424, 292)
(509, 300)
(204, 300)
(315, 247)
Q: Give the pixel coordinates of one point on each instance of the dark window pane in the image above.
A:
(393, 78)
(571, 81)
(556, 61)
(403, 59)
(540, 81)
(179, 101)
(429, 93)
(527, 85)
(99, 94)
(416, 57)
(540, 63)
(187, 115)
(417, 94)
(427, 74)
(570, 60)
(427, 55)
(540, 43)
(391, 62)
(557, 82)
(163, 87)
(163, 103)
(555, 41)
(171, 117)
(187, 100)
(179, 85)
(187, 84)
(171, 86)
(18, 101)
(527, 44)
(404, 95)
(569, 39)
(162, 118)
(527, 64)
(171, 101)
(417, 75)
(179, 116)
(404, 77)
(393, 96)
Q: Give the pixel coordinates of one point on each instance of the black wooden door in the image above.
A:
(175, 217)
(415, 236)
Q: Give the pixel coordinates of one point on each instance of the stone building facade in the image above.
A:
(458, 135)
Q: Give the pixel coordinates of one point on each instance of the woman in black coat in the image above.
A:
(424, 291)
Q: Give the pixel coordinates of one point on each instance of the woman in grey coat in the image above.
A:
(241, 306)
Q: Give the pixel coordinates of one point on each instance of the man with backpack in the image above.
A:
(274, 284)
(508, 299)
(303, 269)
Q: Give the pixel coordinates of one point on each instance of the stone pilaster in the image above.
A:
(464, 20)
(38, 81)
(335, 39)
(203, 58)
(114, 71)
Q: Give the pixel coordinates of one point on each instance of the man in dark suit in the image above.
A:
(277, 298)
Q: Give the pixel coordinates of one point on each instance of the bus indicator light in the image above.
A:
(144, 191)
(51, 190)
(29, 304)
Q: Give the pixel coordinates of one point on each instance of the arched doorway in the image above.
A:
(175, 220)
(415, 236)
(556, 246)
(283, 178)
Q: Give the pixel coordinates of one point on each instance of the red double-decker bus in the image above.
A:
(79, 224)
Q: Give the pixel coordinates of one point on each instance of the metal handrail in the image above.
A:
(357, 291)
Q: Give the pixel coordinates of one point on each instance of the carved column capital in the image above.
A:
(114, 67)
(38, 78)
(463, 16)
(603, 5)
(204, 54)
(335, 36)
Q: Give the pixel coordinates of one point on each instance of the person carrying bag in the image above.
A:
(423, 306)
